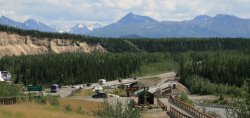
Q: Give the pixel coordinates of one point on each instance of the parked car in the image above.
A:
(102, 81)
(100, 95)
(88, 84)
(54, 88)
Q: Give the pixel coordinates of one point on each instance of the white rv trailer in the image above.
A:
(5, 76)
(102, 81)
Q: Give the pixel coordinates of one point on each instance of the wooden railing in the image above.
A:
(14, 100)
(8, 101)
(192, 111)
(176, 114)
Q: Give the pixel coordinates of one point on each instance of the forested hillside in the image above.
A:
(77, 67)
(205, 66)
(214, 72)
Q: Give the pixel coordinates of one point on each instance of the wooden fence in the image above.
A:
(192, 111)
(173, 112)
(8, 101)
(14, 100)
(176, 114)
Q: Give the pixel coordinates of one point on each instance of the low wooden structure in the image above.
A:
(14, 100)
(189, 109)
(143, 95)
(176, 114)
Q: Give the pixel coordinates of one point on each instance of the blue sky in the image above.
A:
(71, 12)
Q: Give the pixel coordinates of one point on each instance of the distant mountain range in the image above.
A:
(201, 26)
(137, 26)
(31, 24)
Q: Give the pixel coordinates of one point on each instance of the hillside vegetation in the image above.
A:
(80, 68)
(205, 66)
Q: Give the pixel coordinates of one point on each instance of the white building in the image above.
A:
(98, 89)
(102, 81)
(5, 76)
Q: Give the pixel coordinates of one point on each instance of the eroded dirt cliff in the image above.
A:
(14, 44)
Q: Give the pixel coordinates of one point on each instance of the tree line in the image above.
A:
(75, 68)
(214, 72)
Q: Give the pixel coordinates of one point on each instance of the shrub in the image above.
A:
(68, 107)
(117, 111)
(9, 90)
(52, 100)
(183, 97)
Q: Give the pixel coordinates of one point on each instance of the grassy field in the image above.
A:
(116, 91)
(84, 92)
(157, 68)
(67, 109)
(86, 106)
(150, 81)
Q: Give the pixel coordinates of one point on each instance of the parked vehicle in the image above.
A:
(54, 88)
(100, 95)
(102, 81)
(88, 84)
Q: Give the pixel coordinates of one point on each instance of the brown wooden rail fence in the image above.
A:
(191, 110)
(14, 100)
(176, 114)
(8, 101)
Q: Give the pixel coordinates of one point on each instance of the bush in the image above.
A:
(117, 111)
(9, 90)
(68, 107)
(52, 100)
(42, 100)
(184, 98)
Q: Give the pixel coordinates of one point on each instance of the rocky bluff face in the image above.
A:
(14, 44)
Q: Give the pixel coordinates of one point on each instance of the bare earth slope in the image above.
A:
(14, 44)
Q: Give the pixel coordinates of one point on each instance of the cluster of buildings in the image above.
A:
(135, 88)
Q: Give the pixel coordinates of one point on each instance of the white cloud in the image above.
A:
(168, 4)
(12, 14)
(109, 11)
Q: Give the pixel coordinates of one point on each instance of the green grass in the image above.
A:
(157, 68)
(11, 114)
(9, 90)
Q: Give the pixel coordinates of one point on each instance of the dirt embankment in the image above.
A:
(14, 44)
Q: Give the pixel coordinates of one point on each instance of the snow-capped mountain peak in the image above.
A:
(37, 25)
(81, 25)
(82, 28)
(94, 26)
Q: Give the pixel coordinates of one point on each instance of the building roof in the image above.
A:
(143, 92)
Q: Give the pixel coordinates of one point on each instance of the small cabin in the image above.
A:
(141, 97)
(102, 81)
